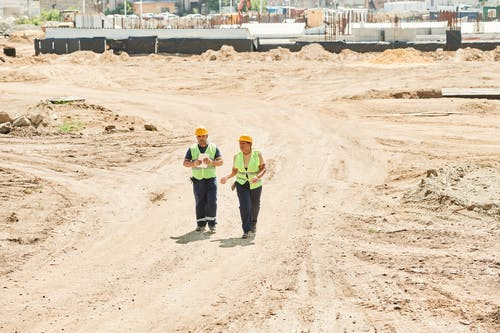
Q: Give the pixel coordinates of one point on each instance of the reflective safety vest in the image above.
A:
(209, 171)
(243, 175)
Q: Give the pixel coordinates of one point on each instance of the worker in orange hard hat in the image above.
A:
(249, 168)
(202, 157)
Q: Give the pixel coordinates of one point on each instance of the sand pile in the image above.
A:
(20, 76)
(82, 57)
(279, 54)
(496, 54)
(349, 55)
(46, 119)
(124, 56)
(225, 53)
(209, 55)
(440, 55)
(25, 36)
(405, 56)
(47, 58)
(89, 118)
(471, 187)
(469, 54)
(315, 52)
(108, 57)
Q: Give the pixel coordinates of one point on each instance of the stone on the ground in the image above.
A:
(21, 121)
(150, 127)
(37, 118)
(5, 118)
(5, 128)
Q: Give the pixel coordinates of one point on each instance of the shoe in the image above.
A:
(245, 235)
(212, 228)
(200, 228)
(254, 229)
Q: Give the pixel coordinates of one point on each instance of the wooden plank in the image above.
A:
(489, 93)
(65, 100)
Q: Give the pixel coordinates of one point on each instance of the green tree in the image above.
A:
(52, 15)
(119, 9)
(213, 5)
(256, 5)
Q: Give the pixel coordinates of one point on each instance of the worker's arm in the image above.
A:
(191, 164)
(217, 162)
(233, 173)
(262, 169)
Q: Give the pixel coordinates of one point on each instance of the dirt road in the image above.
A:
(380, 210)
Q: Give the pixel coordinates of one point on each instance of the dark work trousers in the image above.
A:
(205, 196)
(249, 205)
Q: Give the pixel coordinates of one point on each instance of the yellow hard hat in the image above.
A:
(246, 138)
(200, 130)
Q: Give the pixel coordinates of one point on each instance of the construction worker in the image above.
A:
(202, 157)
(248, 167)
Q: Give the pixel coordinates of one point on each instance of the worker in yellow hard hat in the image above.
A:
(202, 157)
(249, 168)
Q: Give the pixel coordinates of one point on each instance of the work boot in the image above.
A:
(200, 228)
(254, 229)
(245, 235)
(212, 228)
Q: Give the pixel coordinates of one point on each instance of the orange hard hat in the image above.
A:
(200, 130)
(246, 138)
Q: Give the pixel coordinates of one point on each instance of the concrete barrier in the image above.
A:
(141, 45)
(198, 45)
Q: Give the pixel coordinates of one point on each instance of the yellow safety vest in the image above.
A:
(209, 171)
(243, 175)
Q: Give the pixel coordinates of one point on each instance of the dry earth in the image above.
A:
(380, 210)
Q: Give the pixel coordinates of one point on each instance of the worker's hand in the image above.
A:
(223, 180)
(197, 163)
(207, 161)
(255, 179)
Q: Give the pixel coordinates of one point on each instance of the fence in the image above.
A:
(188, 22)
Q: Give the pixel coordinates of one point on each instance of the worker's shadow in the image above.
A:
(232, 242)
(192, 236)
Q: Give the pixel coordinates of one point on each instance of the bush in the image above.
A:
(45, 16)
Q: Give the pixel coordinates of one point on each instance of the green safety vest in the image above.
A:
(209, 171)
(243, 175)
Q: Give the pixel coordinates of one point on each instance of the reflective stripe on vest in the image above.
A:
(253, 169)
(209, 171)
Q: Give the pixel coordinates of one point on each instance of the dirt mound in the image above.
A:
(124, 56)
(496, 54)
(20, 76)
(82, 57)
(471, 187)
(74, 118)
(225, 53)
(315, 52)
(405, 56)
(469, 54)
(108, 57)
(349, 55)
(280, 54)
(440, 55)
(46, 58)
(88, 118)
(25, 36)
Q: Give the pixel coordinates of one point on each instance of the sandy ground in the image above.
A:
(380, 209)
